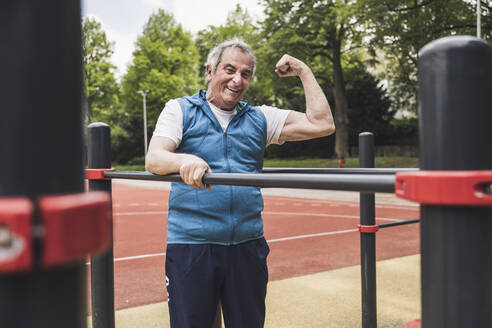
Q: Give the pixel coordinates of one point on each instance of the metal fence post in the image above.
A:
(368, 240)
(102, 265)
(455, 77)
(40, 147)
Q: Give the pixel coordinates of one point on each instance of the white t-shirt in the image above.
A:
(170, 122)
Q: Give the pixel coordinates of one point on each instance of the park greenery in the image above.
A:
(364, 54)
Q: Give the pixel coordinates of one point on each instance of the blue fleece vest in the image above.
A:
(225, 215)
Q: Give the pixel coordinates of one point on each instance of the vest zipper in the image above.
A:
(226, 155)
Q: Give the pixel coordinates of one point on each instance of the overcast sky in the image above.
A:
(123, 20)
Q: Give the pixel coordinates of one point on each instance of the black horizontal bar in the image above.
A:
(360, 182)
(337, 170)
(394, 224)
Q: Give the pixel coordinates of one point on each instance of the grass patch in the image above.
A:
(129, 167)
(397, 162)
(380, 162)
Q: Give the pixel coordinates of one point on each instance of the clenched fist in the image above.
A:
(290, 66)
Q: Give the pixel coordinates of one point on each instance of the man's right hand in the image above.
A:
(161, 159)
(192, 170)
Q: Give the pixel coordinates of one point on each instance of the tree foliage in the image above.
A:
(102, 91)
(165, 62)
(322, 33)
(369, 106)
(349, 44)
(400, 28)
(101, 87)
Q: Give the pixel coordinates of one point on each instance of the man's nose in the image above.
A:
(236, 78)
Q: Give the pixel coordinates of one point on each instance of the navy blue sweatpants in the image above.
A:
(198, 275)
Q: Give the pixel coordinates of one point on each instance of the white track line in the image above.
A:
(129, 258)
(330, 233)
(312, 235)
(119, 259)
(270, 213)
(328, 215)
(141, 213)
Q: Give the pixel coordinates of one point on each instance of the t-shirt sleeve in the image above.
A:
(170, 122)
(275, 118)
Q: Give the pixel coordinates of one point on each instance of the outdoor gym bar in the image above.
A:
(41, 180)
(454, 238)
(367, 180)
(360, 182)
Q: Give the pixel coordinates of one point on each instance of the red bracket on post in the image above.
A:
(75, 226)
(15, 234)
(460, 188)
(96, 174)
(72, 227)
(368, 228)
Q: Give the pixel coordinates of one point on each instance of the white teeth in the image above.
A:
(233, 90)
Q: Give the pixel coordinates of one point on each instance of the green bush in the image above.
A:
(404, 131)
(140, 160)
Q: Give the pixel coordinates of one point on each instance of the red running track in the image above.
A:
(305, 236)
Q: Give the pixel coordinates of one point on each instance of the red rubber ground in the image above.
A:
(305, 236)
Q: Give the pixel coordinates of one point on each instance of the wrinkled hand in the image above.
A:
(290, 66)
(192, 170)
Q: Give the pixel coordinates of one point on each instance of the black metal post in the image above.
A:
(455, 77)
(40, 147)
(367, 240)
(102, 265)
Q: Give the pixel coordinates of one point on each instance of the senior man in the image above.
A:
(215, 244)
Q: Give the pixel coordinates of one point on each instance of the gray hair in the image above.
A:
(214, 56)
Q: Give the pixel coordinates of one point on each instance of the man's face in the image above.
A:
(231, 79)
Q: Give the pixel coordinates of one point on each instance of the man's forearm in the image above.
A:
(164, 162)
(318, 120)
(191, 168)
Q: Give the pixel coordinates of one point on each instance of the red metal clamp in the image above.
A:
(96, 174)
(72, 227)
(368, 228)
(75, 226)
(445, 187)
(15, 234)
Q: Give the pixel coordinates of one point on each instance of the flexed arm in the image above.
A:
(318, 119)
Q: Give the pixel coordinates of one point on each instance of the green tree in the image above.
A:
(165, 62)
(369, 109)
(400, 28)
(324, 34)
(101, 87)
(369, 106)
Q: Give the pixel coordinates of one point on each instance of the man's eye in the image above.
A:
(246, 75)
(230, 71)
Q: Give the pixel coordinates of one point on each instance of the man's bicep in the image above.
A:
(297, 127)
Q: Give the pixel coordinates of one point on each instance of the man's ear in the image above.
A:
(208, 73)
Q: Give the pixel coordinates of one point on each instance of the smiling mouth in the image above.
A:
(233, 90)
